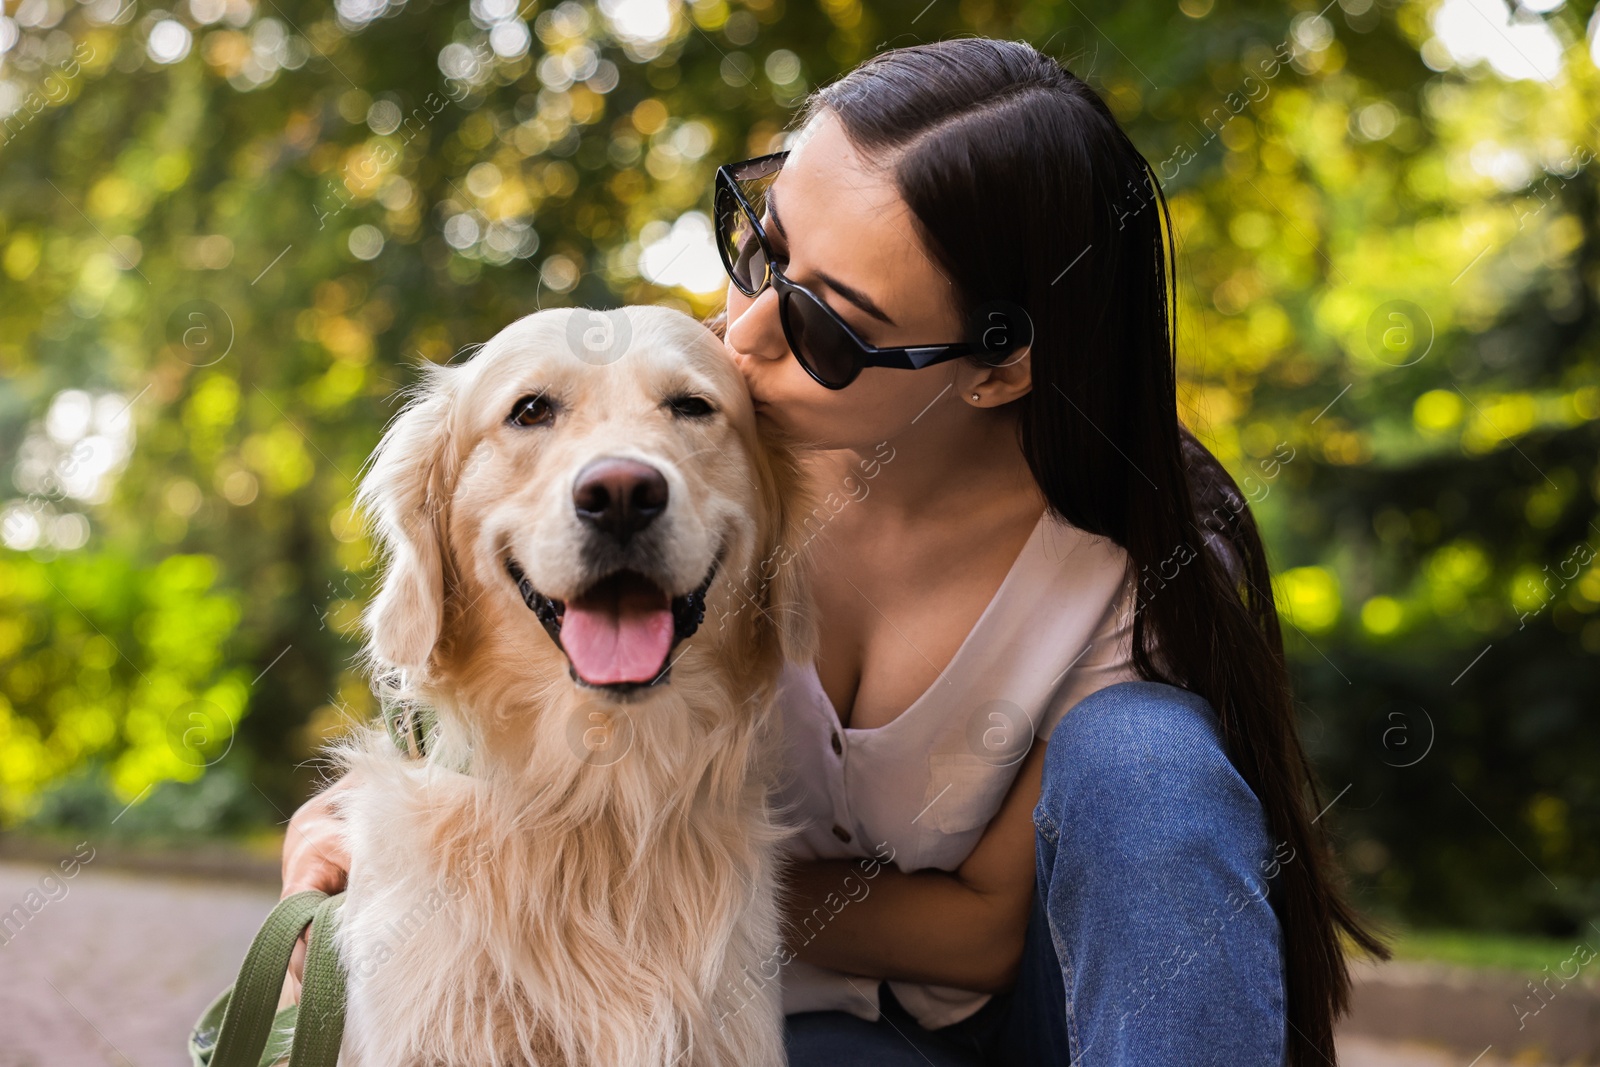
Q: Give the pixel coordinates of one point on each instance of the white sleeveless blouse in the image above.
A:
(920, 790)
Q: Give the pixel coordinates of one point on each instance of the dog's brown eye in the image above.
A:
(690, 407)
(531, 411)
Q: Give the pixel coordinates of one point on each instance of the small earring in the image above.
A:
(974, 396)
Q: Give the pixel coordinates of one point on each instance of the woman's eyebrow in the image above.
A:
(856, 297)
(850, 293)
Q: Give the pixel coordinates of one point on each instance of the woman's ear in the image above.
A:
(784, 567)
(406, 492)
(1001, 382)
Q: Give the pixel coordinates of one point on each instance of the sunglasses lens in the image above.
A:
(818, 340)
(741, 249)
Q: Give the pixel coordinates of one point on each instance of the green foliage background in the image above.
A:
(1388, 285)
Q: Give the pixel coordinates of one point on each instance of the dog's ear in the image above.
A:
(406, 494)
(789, 498)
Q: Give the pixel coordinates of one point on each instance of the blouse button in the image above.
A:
(838, 746)
(841, 833)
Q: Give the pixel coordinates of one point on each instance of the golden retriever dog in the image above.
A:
(586, 581)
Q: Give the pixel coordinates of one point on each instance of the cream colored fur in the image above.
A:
(598, 887)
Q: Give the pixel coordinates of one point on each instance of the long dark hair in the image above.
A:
(1026, 189)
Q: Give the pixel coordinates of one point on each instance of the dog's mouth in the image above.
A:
(618, 634)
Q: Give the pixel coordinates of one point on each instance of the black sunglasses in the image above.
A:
(826, 346)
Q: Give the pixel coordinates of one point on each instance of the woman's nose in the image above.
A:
(757, 333)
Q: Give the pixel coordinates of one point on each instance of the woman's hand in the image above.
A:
(314, 857)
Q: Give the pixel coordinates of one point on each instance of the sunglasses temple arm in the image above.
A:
(917, 357)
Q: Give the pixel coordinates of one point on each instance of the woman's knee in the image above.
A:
(1153, 865)
(1143, 760)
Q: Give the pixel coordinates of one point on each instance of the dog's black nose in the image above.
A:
(619, 496)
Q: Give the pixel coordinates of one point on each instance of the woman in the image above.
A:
(1027, 530)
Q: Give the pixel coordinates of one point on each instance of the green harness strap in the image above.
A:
(320, 1024)
(409, 728)
(243, 1028)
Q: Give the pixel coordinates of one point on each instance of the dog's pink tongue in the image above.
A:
(618, 632)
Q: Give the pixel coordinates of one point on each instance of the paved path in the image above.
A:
(112, 967)
(116, 967)
(1356, 1050)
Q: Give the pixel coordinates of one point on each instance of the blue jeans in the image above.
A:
(1154, 937)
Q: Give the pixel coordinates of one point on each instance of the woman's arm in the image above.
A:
(962, 928)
